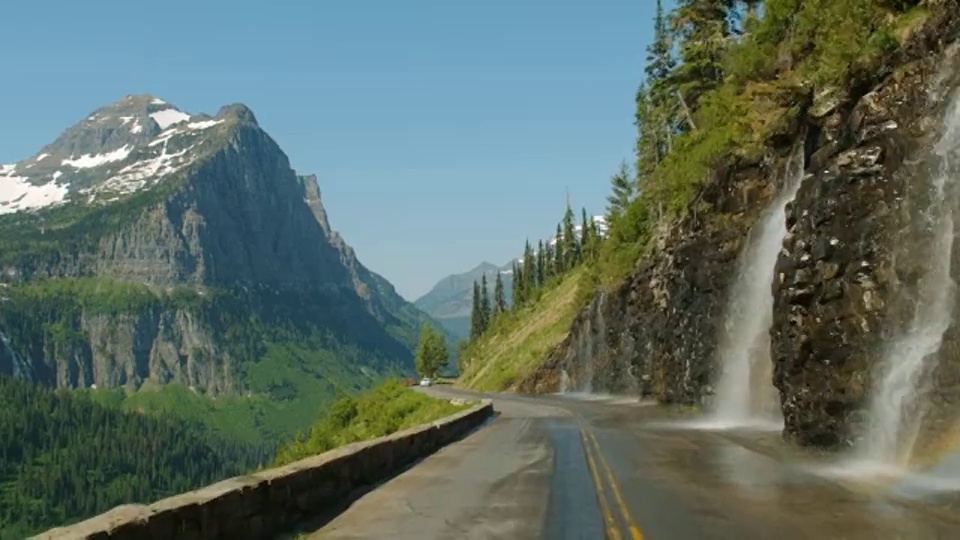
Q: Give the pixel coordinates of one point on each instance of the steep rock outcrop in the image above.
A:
(857, 243)
(660, 327)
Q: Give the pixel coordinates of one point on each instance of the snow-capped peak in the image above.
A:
(118, 149)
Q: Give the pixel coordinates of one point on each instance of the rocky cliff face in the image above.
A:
(858, 243)
(135, 245)
(854, 245)
(661, 326)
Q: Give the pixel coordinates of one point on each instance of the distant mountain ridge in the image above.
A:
(450, 301)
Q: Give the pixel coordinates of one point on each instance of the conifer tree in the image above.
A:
(660, 61)
(499, 301)
(584, 227)
(702, 29)
(517, 284)
(549, 261)
(529, 272)
(586, 234)
(655, 104)
(559, 257)
(541, 265)
(476, 315)
(623, 193)
(570, 244)
(485, 312)
(648, 143)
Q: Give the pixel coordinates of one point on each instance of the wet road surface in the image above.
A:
(560, 468)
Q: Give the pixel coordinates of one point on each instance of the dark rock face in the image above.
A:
(657, 333)
(857, 243)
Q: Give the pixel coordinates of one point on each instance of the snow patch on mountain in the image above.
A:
(41, 157)
(169, 117)
(203, 124)
(16, 193)
(137, 175)
(89, 161)
(137, 128)
(181, 129)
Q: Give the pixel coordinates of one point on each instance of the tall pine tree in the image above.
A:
(517, 284)
(648, 128)
(571, 246)
(660, 61)
(541, 265)
(485, 311)
(549, 261)
(702, 28)
(529, 272)
(476, 315)
(559, 257)
(586, 235)
(659, 108)
(499, 301)
(624, 191)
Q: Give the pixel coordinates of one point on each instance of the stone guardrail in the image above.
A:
(271, 502)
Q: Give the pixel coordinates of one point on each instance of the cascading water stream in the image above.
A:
(564, 381)
(745, 394)
(898, 403)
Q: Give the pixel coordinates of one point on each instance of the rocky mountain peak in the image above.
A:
(238, 111)
(130, 121)
(119, 149)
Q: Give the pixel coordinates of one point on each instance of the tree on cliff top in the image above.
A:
(432, 355)
(702, 28)
(499, 300)
(476, 315)
(485, 309)
(624, 190)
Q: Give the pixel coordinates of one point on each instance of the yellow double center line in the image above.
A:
(591, 448)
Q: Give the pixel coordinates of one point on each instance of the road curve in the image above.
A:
(560, 468)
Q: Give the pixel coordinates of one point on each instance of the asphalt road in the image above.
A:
(561, 468)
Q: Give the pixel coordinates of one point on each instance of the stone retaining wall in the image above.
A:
(268, 503)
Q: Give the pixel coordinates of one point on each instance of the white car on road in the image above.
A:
(425, 381)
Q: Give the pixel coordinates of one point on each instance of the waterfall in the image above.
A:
(745, 393)
(898, 403)
(598, 335)
(564, 381)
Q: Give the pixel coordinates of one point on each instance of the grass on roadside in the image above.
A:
(386, 409)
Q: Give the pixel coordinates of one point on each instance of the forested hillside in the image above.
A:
(64, 457)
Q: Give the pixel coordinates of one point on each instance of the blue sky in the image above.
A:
(444, 132)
